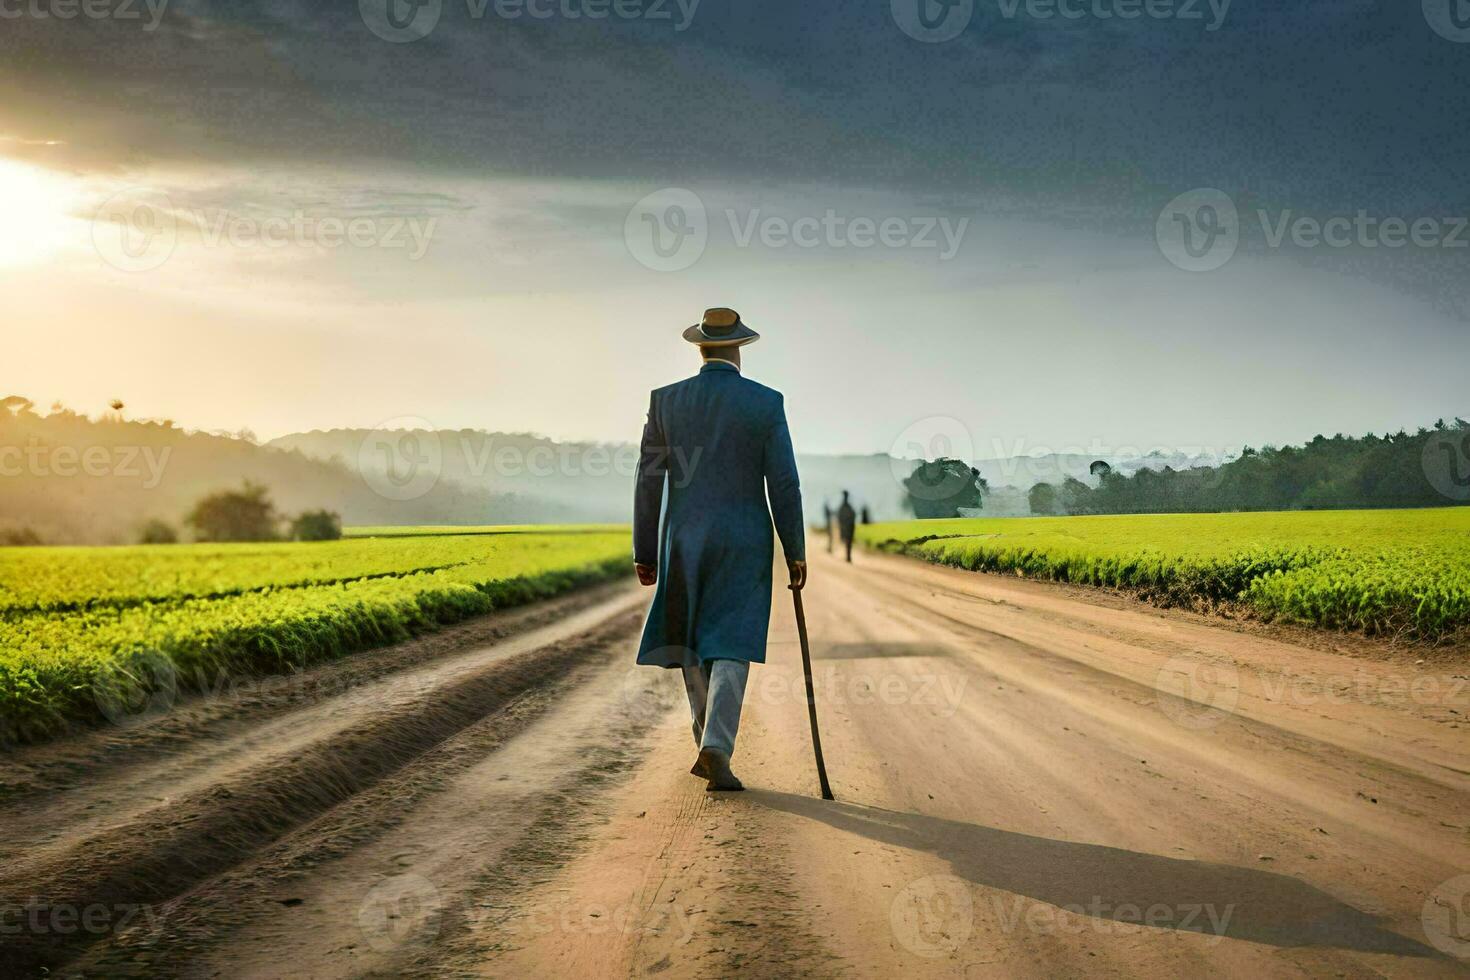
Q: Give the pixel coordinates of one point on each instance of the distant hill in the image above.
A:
(70, 479)
(593, 482)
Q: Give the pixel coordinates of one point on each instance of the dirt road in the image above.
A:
(1031, 781)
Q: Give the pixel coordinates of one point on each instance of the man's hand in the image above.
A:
(647, 574)
(798, 574)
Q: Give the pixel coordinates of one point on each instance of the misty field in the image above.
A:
(89, 633)
(1386, 572)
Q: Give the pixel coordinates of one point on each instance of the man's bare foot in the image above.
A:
(717, 767)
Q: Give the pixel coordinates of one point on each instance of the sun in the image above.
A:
(35, 213)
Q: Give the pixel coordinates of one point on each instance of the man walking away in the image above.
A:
(827, 524)
(714, 447)
(846, 520)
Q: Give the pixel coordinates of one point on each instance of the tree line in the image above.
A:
(1427, 468)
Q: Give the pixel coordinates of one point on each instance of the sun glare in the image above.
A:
(35, 218)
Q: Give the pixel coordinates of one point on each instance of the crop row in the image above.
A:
(1379, 572)
(86, 665)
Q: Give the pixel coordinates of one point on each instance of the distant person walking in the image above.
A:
(827, 524)
(846, 520)
(720, 443)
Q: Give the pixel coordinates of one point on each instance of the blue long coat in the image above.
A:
(719, 442)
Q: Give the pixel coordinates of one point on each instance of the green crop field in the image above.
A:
(78, 621)
(1395, 572)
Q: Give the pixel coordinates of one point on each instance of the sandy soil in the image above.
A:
(1030, 781)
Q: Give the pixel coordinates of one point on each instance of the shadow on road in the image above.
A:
(1102, 882)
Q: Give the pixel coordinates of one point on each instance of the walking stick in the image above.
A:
(811, 697)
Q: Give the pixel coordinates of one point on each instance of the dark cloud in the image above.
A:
(1321, 104)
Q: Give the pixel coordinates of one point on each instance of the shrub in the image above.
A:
(235, 515)
(158, 532)
(317, 525)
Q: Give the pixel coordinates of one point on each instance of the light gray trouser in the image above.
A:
(716, 689)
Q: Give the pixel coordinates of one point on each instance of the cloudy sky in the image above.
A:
(1058, 223)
